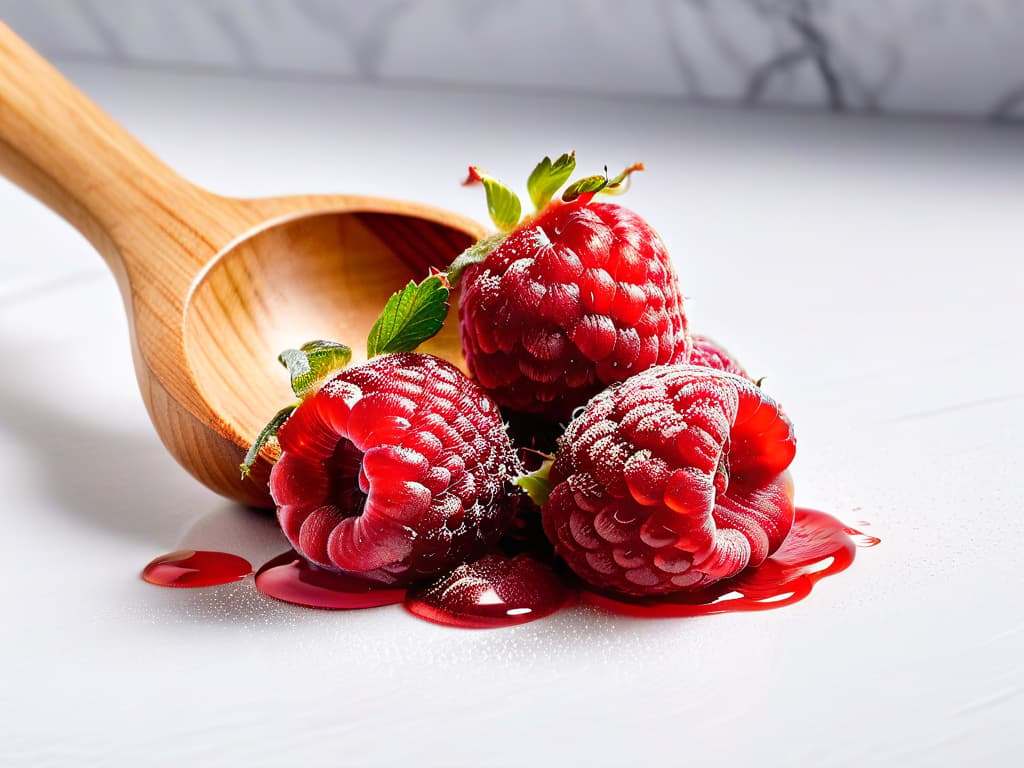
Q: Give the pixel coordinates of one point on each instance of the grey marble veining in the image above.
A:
(956, 57)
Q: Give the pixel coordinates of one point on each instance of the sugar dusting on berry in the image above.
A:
(395, 470)
(582, 297)
(671, 481)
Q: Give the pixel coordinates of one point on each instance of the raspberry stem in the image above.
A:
(537, 484)
(266, 434)
(544, 182)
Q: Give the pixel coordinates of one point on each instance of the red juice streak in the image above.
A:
(494, 591)
(818, 546)
(861, 539)
(293, 579)
(190, 568)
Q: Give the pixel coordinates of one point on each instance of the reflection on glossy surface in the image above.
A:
(818, 546)
(196, 568)
(291, 578)
(494, 591)
(500, 591)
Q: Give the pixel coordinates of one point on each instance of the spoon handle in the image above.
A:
(59, 146)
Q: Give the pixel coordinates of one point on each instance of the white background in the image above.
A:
(872, 270)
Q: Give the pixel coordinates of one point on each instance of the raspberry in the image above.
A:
(671, 480)
(711, 354)
(394, 470)
(575, 298)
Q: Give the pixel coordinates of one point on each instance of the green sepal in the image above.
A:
(620, 183)
(591, 185)
(502, 203)
(313, 362)
(475, 254)
(548, 177)
(268, 433)
(537, 484)
(587, 185)
(411, 316)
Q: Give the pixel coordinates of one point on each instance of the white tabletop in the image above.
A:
(871, 270)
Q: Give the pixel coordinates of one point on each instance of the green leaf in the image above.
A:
(502, 203)
(266, 434)
(537, 484)
(411, 316)
(313, 362)
(547, 178)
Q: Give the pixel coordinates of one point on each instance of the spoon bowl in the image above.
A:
(214, 287)
(312, 276)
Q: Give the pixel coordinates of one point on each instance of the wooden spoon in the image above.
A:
(214, 287)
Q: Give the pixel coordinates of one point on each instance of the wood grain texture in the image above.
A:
(214, 287)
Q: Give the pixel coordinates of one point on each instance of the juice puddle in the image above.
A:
(818, 546)
(196, 568)
(494, 591)
(500, 590)
(291, 578)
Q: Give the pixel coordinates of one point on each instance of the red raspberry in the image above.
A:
(579, 296)
(711, 354)
(395, 469)
(670, 481)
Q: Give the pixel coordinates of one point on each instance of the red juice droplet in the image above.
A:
(196, 568)
(494, 591)
(818, 546)
(293, 579)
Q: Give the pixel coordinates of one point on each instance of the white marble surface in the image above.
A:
(870, 269)
(960, 57)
